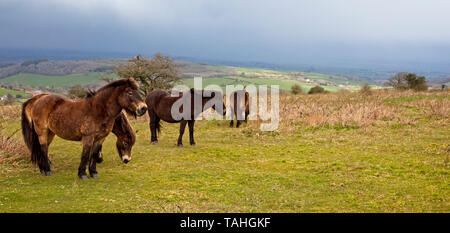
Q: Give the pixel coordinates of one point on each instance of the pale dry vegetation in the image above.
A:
(12, 147)
(437, 108)
(342, 110)
(357, 109)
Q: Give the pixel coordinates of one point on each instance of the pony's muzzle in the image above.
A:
(142, 109)
(126, 159)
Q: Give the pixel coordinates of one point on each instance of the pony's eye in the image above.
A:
(125, 144)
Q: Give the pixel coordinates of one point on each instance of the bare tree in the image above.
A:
(397, 81)
(404, 81)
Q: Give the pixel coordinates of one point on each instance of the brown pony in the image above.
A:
(88, 120)
(239, 102)
(159, 108)
(126, 137)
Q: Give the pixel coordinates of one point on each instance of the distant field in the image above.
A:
(38, 80)
(285, 79)
(4, 91)
(284, 84)
(218, 75)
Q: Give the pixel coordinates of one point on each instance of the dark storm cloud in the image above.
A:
(319, 31)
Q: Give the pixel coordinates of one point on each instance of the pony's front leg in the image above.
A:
(88, 144)
(182, 127)
(97, 150)
(97, 154)
(191, 132)
(154, 122)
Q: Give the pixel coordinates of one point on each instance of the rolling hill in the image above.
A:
(39, 74)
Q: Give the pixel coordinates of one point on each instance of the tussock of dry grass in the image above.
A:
(338, 109)
(12, 147)
(10, 112)
(435, 108)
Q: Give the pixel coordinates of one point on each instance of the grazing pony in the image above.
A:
(126, 137)
(239, 103)
(159, 108)
(88, 120)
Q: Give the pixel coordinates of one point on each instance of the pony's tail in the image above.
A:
(31, 138)
(27, 130)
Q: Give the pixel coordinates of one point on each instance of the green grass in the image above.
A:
(330, 169)
(4, 91)
(285, 79)
(38, 80)
(284, 84)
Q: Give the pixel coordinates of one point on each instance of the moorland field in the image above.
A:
(383, 151)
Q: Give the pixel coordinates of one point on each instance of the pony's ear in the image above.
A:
(192, 91)
(132, 83)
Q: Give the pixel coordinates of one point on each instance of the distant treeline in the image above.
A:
(33, 62)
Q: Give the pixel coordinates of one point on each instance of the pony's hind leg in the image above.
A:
(232, 114)
(50, 137)
(191, 132)
(44, 162)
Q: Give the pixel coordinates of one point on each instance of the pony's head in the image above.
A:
(126, 137)
(129, 98)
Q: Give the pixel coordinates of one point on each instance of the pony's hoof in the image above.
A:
(42, 172)
(48, 173)
(154, 142)
(100, 160)
(180, 145)
(193, 144)
(84, 177)
(94, 175)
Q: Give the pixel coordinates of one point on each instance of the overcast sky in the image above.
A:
(280, 31)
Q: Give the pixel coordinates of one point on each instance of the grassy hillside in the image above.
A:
(219, 75)
(284, 84)
(38, 80)
(344, 152)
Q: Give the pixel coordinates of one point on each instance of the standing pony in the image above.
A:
(88, 120)
(239, 103)
(159, 108)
